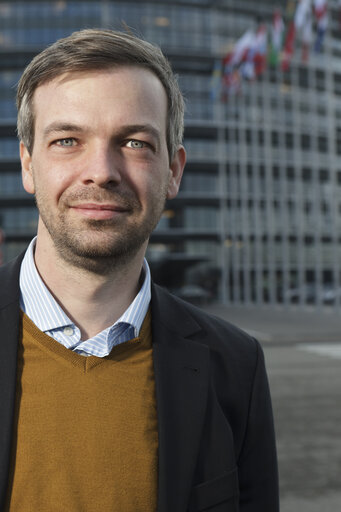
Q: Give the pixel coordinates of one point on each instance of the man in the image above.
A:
(114, 394)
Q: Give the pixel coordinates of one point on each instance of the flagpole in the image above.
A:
(218, 115)
(332, 166)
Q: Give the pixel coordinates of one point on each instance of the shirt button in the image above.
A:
(68, 331)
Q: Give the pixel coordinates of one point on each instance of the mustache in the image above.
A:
(121, 198)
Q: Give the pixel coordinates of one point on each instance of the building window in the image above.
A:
(322, 144)
(305, 141)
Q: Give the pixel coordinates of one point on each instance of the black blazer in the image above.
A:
(216, 436)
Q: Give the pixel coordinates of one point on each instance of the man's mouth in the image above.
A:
(99, 211)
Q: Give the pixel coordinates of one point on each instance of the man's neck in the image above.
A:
(92, 301)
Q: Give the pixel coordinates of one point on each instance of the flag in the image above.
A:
(260, 49)
(301, 25)
(277, 32)
(302, 12)
(289, 41)
(288, 46)
(239, 51)
(320, 8)
(307, 35)
(255, 60)
(231, 82)
(321, 15)
(246, 60)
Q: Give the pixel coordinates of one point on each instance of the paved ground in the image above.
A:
(305, 388)
(303, 356)
(277, 324)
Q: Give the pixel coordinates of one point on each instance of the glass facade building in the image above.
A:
(258, 216)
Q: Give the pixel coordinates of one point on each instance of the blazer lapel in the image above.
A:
(181, 376)
(9, 328)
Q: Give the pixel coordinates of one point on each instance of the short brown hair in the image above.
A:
(92, 49)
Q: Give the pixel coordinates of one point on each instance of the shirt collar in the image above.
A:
(41, 307)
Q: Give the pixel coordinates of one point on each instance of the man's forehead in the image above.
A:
(71, 75)
(128, 83)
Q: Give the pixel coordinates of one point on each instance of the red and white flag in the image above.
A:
(301, 25)
(255, 61)
(239, 51)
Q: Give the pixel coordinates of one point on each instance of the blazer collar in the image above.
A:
(181, 374)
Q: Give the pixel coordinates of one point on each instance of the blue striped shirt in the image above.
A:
(41, 307)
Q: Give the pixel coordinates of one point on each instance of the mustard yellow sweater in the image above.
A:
(86, 427)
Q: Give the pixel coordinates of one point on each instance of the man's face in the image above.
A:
(100, 168)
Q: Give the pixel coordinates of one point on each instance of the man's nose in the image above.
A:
(102, 166)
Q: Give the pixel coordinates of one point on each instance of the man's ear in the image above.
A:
(26, 169)
(176, 168)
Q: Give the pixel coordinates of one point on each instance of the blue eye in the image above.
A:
(136, 144)
(68, 142)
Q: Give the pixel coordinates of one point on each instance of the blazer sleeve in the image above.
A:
(257, 462)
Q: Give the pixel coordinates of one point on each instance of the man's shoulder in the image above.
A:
(213, 331)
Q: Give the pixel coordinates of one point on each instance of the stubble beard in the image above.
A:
(100, 246)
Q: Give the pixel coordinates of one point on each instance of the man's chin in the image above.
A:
(99, 254)
(94, 260)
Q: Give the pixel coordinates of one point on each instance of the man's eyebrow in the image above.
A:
(62, 127)
(128, 130)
